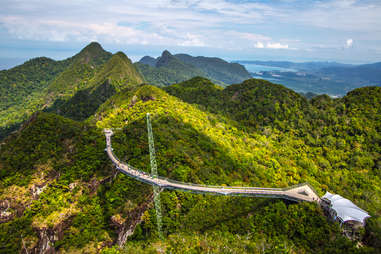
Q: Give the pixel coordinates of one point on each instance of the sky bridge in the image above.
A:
(300, 192)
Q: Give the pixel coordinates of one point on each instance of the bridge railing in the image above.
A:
(219, 187)
(190, 184)
(300, 185)
(216, 186)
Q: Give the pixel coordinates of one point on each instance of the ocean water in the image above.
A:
(259, 68)
(275, 80)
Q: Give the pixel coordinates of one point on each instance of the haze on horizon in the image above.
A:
(346, 31)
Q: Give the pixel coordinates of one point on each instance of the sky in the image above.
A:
(347, 31)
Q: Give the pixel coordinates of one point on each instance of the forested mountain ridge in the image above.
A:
(93, 74)
(148, 60)
(22, 86)
(217, 69)
(61, 79)
(323, 152)
(337, 125)
(77, 76)
(119, 68)
(254, 102)
(60, 193)
(116, 74)
(69, 198)
(27, 78)
(49, 173)
(169, 69)
(43, 83)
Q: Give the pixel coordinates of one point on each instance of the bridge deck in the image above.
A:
(303, 192)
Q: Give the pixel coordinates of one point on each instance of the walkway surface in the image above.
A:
(301, 192)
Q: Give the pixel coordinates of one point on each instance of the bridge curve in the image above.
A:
(300, 192)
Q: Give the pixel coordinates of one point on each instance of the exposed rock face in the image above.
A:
(49, 232)
(5, 214)
(44, 244)
(73, 185)
(16, 199)
(51, 228)
(46, 240)
(13, 203)
(95, 183)
(133, 101)
(36, 190)
(148, 98)
(126, 227)
(47, 237)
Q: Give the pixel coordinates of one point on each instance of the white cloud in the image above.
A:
(58, 30)
(251, 36)
(187, 23)
(276, 45)
(259, 45)
(341, 15)
(218, 24)
(349, 43)
(271, 45)
(192, 40)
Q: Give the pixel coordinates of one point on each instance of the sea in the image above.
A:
(256, 68)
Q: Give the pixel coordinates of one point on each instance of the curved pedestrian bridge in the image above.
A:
(300, 192)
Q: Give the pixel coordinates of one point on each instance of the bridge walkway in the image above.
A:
(301, 192)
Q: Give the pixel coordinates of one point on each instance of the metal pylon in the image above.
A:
(156, 189)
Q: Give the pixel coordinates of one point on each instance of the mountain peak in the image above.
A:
(93, 47)
(166, 53)
(93, 53)
(121, 55)
(119, 68)
(148, 60)
(166, 58)
(119, 58)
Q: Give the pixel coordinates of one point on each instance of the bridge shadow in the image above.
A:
(206, 212)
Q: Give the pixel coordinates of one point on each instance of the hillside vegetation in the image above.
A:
(60, 193)
(22, 86)
(217, 69)
(74, 87)
(116, 74)
(249, 156)
(336, 142)
(60, 80)
(169, 69)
